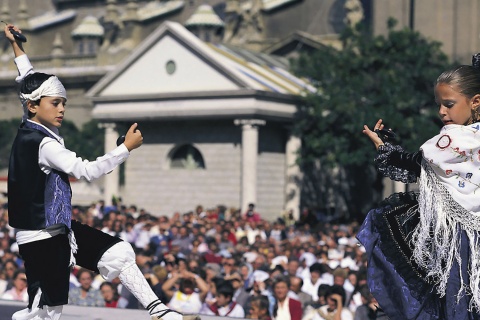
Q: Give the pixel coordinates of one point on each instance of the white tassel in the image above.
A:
(436, 240)
(73, 248)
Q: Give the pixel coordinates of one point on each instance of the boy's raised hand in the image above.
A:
(8, 34)
(133, 138)
(16, 45)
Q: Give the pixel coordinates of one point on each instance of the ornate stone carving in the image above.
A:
(354, 12)
(244, 21)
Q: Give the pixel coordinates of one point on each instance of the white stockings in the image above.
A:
(119, 261)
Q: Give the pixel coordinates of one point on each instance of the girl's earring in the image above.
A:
(475, 115)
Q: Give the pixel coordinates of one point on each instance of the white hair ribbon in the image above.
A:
(52, 87)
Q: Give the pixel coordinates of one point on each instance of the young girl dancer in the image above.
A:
(423, 249)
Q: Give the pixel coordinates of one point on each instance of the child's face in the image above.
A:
(255, 311)
(332, 303)
(454, 107)
(222, 300)
(49, 111)
(107, 293)
(315, 275)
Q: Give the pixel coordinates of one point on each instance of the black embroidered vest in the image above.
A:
(35, 200)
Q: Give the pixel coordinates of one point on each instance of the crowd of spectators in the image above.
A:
(220, 261)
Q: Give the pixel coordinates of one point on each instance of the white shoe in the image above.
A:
(159, 311)
(167, 314)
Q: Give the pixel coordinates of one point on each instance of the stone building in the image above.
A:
(456, 24)
(216, 125)
(207, 80)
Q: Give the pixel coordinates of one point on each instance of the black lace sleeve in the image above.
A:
(397, 164)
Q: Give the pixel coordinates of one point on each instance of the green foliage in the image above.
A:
(8, 128)
(373, 77)
(88, 142)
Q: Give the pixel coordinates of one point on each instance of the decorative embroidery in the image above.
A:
(58, 208)
(459, 164)
(462, 154)
(444, 141)
(392, 172)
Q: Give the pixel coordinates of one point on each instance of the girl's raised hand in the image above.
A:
(373, 135)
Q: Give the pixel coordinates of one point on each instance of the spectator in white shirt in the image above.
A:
(19, 290)
(311, 284)
(223, 304)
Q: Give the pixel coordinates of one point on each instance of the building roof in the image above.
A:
(89, 27)
(173, 74)
(260, 74)
(256, 57)
(266, 5)
(51, 18)
(300, 40)
(204, 16)
(269, 5)
(155, 9)
(241, 68)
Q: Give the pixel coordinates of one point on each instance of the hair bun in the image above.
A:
(476, 61)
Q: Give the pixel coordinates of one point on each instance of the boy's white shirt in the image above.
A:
(24, 67)
(52, 154)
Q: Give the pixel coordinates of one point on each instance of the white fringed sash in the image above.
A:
(449, 203)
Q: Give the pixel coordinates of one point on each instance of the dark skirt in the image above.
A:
(395, 280)
(46, 262)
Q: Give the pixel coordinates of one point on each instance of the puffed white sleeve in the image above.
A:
(24, 67)
(53, 155)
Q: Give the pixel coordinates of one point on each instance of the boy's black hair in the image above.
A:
(337, 289)
(33, 81)
(17, 272)
(186, 283)
(317, 267)
(225, 288)
(323, 289)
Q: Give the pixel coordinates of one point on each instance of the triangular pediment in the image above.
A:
(171, 60)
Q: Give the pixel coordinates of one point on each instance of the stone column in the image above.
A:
(293, 176)
(112, 180)
(390, 186)
(249, 159)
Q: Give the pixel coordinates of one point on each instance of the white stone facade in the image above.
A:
(228, 116)
(163, 190)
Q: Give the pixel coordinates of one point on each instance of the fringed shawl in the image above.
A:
(449, 203)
